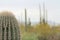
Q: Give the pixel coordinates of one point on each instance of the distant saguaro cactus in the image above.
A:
(9, 28)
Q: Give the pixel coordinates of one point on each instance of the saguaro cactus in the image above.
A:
(25, 20)
(9, 28)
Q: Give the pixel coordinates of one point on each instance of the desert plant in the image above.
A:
(9, 28)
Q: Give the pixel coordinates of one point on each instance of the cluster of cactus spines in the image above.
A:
(9, 28)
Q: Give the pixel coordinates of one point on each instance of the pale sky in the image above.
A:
(32, 6)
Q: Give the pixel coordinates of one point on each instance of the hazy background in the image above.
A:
(32, 6)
